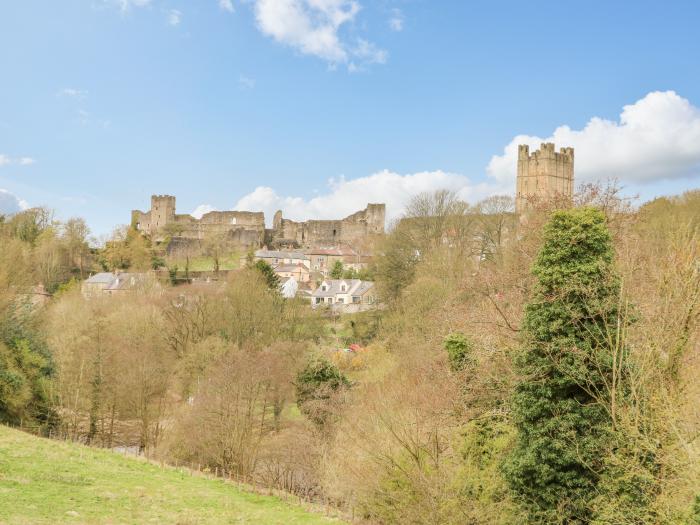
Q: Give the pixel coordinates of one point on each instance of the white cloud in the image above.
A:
(313, 27)
(125, 5)
(174, 17)
(656, 138)
(246, 82)
(344, 197)
(226, 5)
(10, 203)
(6, 160)
(201, 210)
(72, 93)
(83, 117)
(396, 20)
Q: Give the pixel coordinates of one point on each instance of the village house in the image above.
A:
(348, 295)
(288, 287)
(323, 259)
(276, 258)
(299, 272)
(108, 283)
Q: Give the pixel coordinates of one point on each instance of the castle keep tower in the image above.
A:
(544, 174)
(162, 211)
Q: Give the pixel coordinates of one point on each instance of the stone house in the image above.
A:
(107, 283)
(300, 272)
(278, 258)
(323, 259)
(345, 294)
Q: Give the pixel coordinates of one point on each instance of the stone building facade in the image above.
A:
(247, 229)
(543, 174)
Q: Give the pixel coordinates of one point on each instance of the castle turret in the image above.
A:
(544, 174)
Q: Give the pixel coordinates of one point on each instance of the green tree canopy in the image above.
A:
(268, 273)
(337, 270)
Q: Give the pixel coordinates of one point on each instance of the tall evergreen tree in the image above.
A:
(565, 366)
(268, 273)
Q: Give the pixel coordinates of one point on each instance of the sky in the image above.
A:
(318, 107)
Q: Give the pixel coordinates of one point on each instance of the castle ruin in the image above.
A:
(247, 229)
(349, 230)
(543, 175)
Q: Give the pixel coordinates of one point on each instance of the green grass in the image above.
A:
(206, 264)
(44, 481)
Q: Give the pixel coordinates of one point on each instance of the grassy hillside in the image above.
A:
(43, 481)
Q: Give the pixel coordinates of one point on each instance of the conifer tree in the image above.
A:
(564, 366)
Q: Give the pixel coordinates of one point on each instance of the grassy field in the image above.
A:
(206, 264)
(43, 481)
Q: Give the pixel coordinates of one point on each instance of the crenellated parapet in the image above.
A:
(543, 174)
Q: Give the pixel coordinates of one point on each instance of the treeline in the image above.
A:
(553, 380)
(541, 370)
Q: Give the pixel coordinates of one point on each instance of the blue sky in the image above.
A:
(319, 106)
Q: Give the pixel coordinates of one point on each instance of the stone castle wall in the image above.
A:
(351, 230)
(247, 229)
(544, 174)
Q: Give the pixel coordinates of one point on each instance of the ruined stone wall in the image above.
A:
(350, 230)
(248, 228)
(223, 222)
(544, 174)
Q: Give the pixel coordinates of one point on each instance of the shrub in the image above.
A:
(316, 385)
(459, 351)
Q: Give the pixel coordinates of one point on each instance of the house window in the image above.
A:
(356, 299)
(340, 300)
(330, 300)
(342, 288)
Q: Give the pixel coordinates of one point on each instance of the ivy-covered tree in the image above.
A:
(26, 369)
(565, 367)
(316, 384)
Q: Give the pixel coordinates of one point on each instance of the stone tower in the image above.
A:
(162, 211)
(376, 217)
(544, 174)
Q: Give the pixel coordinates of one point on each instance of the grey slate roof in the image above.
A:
(290, 267)
(354, 287)
(101, 278)
(272, 254)
(120, 281)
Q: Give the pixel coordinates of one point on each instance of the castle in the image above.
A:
(543, 175)
(247, 229)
